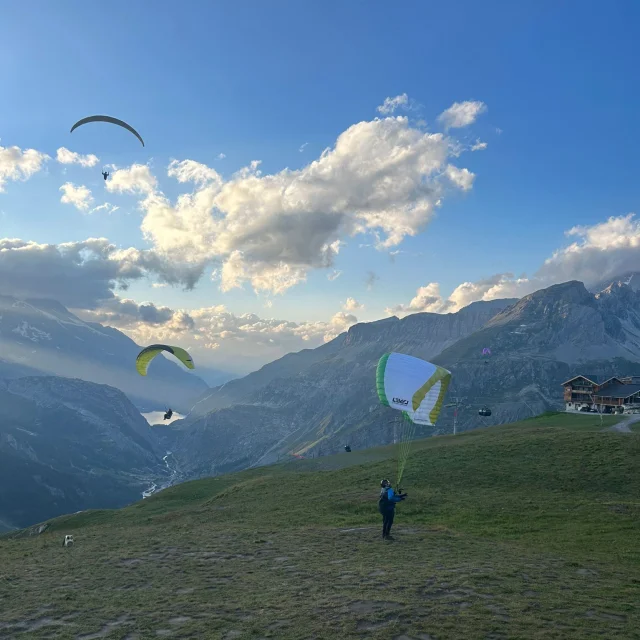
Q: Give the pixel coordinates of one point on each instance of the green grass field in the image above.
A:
(523, 531)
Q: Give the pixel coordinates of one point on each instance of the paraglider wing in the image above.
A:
(120, 123)
(486, 351)
(412, 385)
(149, 353)
(416, 388)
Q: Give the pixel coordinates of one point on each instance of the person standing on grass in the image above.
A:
(387, 507)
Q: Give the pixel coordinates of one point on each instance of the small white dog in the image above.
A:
(68, 541)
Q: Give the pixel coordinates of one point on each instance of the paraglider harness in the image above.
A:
(168, 414)
(384, 504)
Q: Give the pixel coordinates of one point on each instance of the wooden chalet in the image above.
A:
(617, 394)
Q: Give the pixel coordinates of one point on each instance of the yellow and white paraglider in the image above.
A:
(415, 387)
(149, 353)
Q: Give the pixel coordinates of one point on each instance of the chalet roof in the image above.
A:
(592, 379)
(618, 390)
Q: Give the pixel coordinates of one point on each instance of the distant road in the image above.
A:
(623, 426)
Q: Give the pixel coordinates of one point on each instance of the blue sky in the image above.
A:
(256, 80)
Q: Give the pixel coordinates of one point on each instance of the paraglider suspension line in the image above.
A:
(407, 431)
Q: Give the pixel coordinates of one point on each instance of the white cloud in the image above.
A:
(391, 104)
(107, 207)
(196, 172)
(479, 146)
(334, 275)
(351, 304)
(64, 156)
(498, 130)
(137, 179)
(462, 178)
(603, 251)
(302, 146)
(461, 114)
(382, 177)
(16, 164)
(426, 299)
(221, 156)
(245, 341)
(77, 195)
(339, 323)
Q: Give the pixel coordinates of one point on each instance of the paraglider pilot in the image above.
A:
(168, 414)
(105, 174)
(387, 507)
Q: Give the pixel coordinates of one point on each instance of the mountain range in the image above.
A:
(316, 401)
(68, 444)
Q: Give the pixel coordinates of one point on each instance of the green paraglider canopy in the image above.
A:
(416, 388)
(109, 119)
(150, 352)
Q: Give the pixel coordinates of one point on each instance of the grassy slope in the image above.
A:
(520, 531)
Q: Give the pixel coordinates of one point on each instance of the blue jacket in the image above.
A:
(388, 499)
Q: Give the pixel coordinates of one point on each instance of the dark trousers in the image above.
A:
(387, 521)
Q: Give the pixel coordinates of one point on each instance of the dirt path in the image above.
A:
(623, 427)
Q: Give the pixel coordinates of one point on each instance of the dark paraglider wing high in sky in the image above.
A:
(109, 119)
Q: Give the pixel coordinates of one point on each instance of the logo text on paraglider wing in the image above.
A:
(400, 401)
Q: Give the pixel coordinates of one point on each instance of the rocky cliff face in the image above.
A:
(68, 445)
(41, 337)
(314, 400)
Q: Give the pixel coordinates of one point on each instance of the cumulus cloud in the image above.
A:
(462, 178)
(239, 341)
(351, 304)
(124, 312)
(479, 146)
(137, 179)
(382, 177)
(391, 104)
(426, 299)
(192, 171)
(602, 251)
(16, 164)
(340, 322)
(461, 114)
(64, 156)
(77, 195)
(81, 275)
